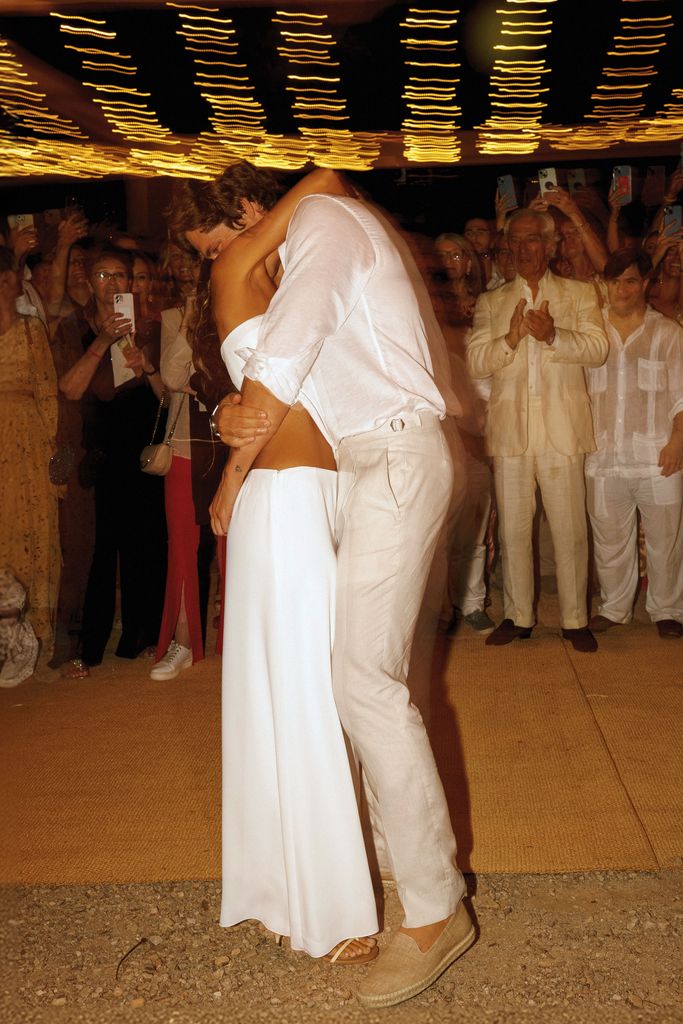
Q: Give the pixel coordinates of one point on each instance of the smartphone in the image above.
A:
(530, 190)
(20, 220)
(671, 223)
(124, 303)
(506, 191)
(576, 179)
(547, 179)
(52, 216)
(622, 180)
(654, 185)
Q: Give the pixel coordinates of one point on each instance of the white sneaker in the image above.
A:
(173, 662)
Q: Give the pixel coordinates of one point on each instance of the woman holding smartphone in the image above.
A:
(121, 386)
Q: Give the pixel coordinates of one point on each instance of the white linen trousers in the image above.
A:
(393, 492)
(613, 503)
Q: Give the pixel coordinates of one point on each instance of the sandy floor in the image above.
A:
(552, 948)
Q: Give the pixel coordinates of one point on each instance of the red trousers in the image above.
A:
(183, 542)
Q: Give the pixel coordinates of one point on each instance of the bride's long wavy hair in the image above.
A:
(204, 340)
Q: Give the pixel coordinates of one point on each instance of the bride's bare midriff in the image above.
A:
(298, 442)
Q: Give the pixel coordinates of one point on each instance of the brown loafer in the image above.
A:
(600, 624)
(669, 629)
(506, 633)
(403, 970)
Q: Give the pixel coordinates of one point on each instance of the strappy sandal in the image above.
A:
(336, 955)
(74, 669)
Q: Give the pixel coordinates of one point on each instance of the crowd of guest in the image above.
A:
(93, 540)
(571, 327)
(563, 327)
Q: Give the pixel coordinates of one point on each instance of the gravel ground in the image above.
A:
(572, 948)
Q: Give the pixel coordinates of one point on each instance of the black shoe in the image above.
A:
(600, 624)
(581, 639)
(669, 629)
(506, 633)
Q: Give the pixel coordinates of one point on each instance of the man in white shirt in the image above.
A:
(533, 336)
(637, 399)
(346, 336)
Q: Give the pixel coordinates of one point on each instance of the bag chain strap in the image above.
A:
(175, 421)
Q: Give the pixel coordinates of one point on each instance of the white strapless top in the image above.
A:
(242, 337)
(238, 348)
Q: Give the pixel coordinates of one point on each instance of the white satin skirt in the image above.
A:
(293, 851)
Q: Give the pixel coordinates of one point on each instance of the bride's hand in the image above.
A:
(220, 509)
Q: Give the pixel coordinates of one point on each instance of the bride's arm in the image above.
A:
(255, 244)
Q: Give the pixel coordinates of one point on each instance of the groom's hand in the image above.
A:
(237, 424)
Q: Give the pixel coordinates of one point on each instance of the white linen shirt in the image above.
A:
(345, 333)
(635, 396)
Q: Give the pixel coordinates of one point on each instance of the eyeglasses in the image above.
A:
(452, 257)
(106, 275)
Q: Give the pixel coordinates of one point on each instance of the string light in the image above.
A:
(516, 92)
(129, 118)
(619, 98)
(37, 140)
(22, 100)
(430, 125)
(317, 105)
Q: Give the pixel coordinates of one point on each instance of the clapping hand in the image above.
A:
(516, 331)
(539, 324)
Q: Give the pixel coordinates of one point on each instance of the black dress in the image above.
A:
(130, 523)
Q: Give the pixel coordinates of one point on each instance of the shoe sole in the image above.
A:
(403, 994)
(165, 678)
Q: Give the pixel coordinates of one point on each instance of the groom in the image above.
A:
(344, 333)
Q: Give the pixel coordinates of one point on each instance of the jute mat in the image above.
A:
(634, 688)
(552, 762)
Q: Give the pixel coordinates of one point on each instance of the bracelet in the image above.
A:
(150, 373)
(89, 352)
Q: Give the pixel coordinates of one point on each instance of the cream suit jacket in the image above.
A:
(580, 340)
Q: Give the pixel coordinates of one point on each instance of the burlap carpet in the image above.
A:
(552, 761)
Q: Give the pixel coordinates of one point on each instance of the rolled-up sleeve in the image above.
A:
(329, 258)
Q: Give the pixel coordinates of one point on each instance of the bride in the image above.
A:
(293, 851)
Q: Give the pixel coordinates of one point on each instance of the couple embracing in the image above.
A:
(333, 497)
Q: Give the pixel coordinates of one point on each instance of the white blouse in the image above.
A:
(635, 396)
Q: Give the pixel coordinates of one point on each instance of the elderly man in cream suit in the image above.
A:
(533, 337)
